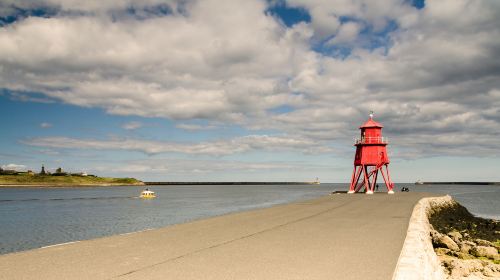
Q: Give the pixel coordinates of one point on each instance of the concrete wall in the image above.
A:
(417, 259)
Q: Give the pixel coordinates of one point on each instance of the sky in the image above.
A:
(249, 90)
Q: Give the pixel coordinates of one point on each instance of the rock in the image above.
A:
(449, 264)
(469, 243)
(492, 270)
(442, 251)
(486, 243)
(455, 235)
(462, 268)
(483, 251)
(464, 256)
(497, 245)
(435, 235)
(488, 272)
(494, 267)
(466, 246)
(444, 241)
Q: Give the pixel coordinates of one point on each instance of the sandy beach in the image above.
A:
(334, 237)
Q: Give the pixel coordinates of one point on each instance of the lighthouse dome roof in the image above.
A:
(371, 123)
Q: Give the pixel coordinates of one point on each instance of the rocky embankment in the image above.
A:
(466, 246)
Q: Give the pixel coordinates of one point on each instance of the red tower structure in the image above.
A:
(371, 157)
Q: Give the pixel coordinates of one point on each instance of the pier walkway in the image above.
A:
(334, 237)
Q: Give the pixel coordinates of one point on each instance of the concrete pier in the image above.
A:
(334, 237)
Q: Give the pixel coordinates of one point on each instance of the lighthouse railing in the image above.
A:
(371, 140)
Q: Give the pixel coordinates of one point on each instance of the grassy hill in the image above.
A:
(24, 179)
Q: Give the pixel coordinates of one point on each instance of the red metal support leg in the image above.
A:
(367, 180)
(375, 174)
(351, 188)
(360, 185)
(387, 182)
(370, 178)
(389, 179)
(356, 173)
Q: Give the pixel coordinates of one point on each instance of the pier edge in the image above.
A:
(417, 259)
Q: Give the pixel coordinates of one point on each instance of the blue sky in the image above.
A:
(251, 90)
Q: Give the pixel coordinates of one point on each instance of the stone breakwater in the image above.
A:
(465, 259)
(455, 254)
(467, 246)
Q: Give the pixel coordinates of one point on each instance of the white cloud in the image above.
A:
(228, 62)
(13, 166)
(214, 148)
(324, 22)
(132, 125)
(49, 152)
(347, 33)
(45, 125)
(325, 14)
(179, 169)
(435, 79)
(8, 6)
(169, 165)
(194, 127)
(209, 64)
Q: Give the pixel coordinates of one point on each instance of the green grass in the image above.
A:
(64, 180)
(489, 260)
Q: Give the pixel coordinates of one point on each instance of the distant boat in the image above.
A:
(419, 182)
(147, 194)
(316, 182)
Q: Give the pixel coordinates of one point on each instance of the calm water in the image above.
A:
(33, 218)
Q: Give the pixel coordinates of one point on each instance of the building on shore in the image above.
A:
(60, 172)
(8, 171)
(43, 172)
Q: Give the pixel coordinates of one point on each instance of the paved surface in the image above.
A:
(335, 237)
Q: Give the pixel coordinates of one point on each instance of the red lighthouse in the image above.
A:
(371, 157)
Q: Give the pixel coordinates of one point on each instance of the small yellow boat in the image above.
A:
(147, 194)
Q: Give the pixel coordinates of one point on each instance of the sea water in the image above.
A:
(33, 218)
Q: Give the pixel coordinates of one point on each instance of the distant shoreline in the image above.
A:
(228, 183)
(64, 185)
(458, 183)
(40, 181)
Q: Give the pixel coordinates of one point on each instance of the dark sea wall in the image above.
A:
(458, 183)
(229, 183)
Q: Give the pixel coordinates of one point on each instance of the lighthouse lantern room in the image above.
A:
(371, 157)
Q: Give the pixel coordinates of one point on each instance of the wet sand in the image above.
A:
(334, 237)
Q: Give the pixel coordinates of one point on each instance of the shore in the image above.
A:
(459, 183)
(339, 236)
(39, 181)
(467, 246)
(229, 183)
(45, 186)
